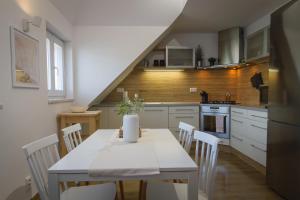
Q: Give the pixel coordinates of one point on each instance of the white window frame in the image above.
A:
(52, 92)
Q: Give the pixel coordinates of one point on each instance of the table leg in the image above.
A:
(92, 125)
(193, 186)
(53, 186)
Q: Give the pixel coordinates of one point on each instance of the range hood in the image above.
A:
(231, 47)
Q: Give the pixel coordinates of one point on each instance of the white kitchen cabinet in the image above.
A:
(180, 57)
(187, 114)
(114, 120)
(258, 44)
(189, 118)
(154, 117)
(249, 133)
(103, 116)
(167, 116)
(175, 132)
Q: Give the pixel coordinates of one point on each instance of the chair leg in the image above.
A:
(141, 189)
(121, 185)
(144, 190)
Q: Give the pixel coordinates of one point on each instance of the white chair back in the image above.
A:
(72, 136)
(208, 159)
(186, 135)
(41, 155)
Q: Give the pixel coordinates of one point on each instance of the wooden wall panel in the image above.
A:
(246, 94)
(174, 86)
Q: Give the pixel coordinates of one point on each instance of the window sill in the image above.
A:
(55, 101)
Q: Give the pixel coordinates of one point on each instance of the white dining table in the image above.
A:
(173, 161)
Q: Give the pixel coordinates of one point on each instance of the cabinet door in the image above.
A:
(238, 143)
(103, 117)
(114, 120)
(238, 125)
(175, 132)
(154, 117)
(184, 109)
(257, 131)
(238, 112)
(256, 151)
(175, 118)
(258, 44)
(180, 57)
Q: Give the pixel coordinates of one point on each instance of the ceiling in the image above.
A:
(198, 15)
(216, 15)
(120, 12)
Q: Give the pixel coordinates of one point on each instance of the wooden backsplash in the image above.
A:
(246, 94)
(175, 86)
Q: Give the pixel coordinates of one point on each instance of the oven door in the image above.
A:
(216, 124)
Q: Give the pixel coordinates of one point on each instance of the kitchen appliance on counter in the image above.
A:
(283, 142)
(204, 96)
(215, 120)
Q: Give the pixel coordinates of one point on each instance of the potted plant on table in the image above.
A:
(129, 110)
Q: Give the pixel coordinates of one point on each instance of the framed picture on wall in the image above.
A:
(25, 60)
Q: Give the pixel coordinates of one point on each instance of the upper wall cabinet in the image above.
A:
(258, 44)
(180, 57)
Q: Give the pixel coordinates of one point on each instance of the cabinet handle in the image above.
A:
(237, 112)
(241, 140)
(258, 116)
(252, 145)
(237, 121)
(185, 117)
(258, 127)
(154, 110)
(184, 109)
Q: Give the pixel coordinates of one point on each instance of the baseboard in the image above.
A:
(249, 161)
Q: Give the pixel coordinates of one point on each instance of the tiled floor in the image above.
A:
(235, 180)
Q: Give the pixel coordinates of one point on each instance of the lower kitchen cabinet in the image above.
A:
(187, 114)
(249, 133)
(154, 117)
(175, 132)
(114, 120)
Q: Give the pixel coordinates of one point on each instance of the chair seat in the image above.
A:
(174, 191)
(106, 191)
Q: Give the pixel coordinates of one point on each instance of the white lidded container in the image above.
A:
(131, 125)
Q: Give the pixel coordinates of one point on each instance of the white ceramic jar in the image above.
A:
(131, 127)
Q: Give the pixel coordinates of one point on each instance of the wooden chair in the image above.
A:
(185, 139)
(208, 159)
(41, 155)
(72, 138)
(186, 135)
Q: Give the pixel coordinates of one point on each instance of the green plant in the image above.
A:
(133, 106)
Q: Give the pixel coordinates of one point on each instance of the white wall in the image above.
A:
(26, 115)
(103, 53)
(207, 41)
(258, 24)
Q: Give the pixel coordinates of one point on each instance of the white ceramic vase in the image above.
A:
(131, 125)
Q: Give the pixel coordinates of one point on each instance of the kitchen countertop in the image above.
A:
(250, 107)
(262, 108)
(154, 104)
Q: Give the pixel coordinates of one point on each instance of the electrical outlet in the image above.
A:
(28, 180)
(193, 90)
(120, 90)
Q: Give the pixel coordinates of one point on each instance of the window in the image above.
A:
(55, 66)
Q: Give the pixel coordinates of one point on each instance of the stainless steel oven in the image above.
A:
(215, 119)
